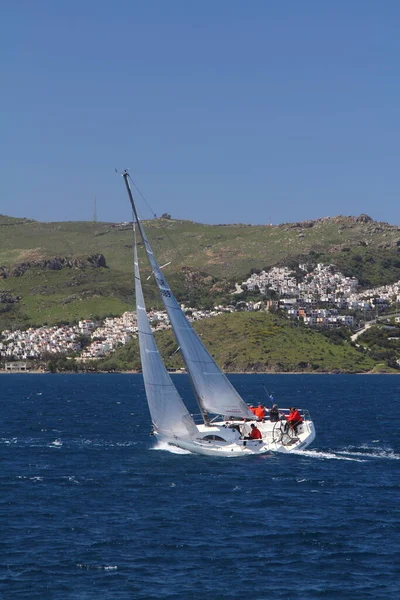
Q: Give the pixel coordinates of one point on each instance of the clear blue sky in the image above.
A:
(224, 110)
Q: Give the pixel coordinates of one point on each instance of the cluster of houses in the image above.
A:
(37, 342)
(320, 293)
(107, 336)
(116, 332)
(34, 343)
(386, 294)
(313, 316)
(324, 282)
(104, 337)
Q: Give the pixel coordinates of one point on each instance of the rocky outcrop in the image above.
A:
(393, 244)
(8, 298)
(344, 222)
(299, 224)
(363, 219)
(97, 260)
(54, 264)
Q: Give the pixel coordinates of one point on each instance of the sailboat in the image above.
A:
(172, 423)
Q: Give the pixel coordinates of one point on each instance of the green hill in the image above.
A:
(205, 261)
(255, 342)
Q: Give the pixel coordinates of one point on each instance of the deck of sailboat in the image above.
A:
(276, 434)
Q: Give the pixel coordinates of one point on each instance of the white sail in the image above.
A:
(168, 413)
(214, 391)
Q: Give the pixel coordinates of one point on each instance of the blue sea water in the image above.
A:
(91, 508)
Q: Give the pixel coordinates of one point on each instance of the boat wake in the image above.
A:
(351, 453)
(370, 452)
(169, 448)
(324, 455)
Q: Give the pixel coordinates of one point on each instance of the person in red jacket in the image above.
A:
(260, 412)
(255, 433)
(294, 419)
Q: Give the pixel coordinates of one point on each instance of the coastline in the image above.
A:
(34, 372)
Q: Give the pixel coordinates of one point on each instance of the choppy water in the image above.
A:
(90, 509)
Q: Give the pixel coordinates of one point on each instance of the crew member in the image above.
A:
(260, 412)
(255, 433)
(294, 419)
(274, 413)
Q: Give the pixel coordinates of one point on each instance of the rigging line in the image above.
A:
(155, 216)
(142, 195)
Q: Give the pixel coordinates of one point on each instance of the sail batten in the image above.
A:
(213, 390)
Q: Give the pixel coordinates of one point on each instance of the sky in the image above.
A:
(225, 111)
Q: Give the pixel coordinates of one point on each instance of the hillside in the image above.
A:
(256, 342)
(205, 260)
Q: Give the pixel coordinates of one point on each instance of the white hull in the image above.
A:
(226, 450)
(278, 439)
(226, 438)
(218, 439)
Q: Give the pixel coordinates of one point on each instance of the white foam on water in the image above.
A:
(104, 443)
(6, 441)
(324, 455)
(375, 452)
(71, 478)
(97, 567)
(56, 443)
(168, 448)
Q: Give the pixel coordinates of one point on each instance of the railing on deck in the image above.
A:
(198, 419)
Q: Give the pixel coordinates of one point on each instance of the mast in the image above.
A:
(125, 175)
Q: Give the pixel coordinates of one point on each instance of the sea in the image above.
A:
(93, 508)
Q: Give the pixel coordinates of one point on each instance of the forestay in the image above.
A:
(214, 391)
(168, 413)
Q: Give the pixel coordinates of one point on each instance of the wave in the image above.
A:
(56, 443)
(169, 448)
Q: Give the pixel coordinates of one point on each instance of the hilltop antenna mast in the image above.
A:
(95, 210)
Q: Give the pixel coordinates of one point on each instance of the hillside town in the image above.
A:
(320, 296)
(101, 338)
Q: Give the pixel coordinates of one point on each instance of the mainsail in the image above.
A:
(214, 391)
(168, 413)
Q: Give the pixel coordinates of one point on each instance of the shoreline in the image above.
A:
(33, 372)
